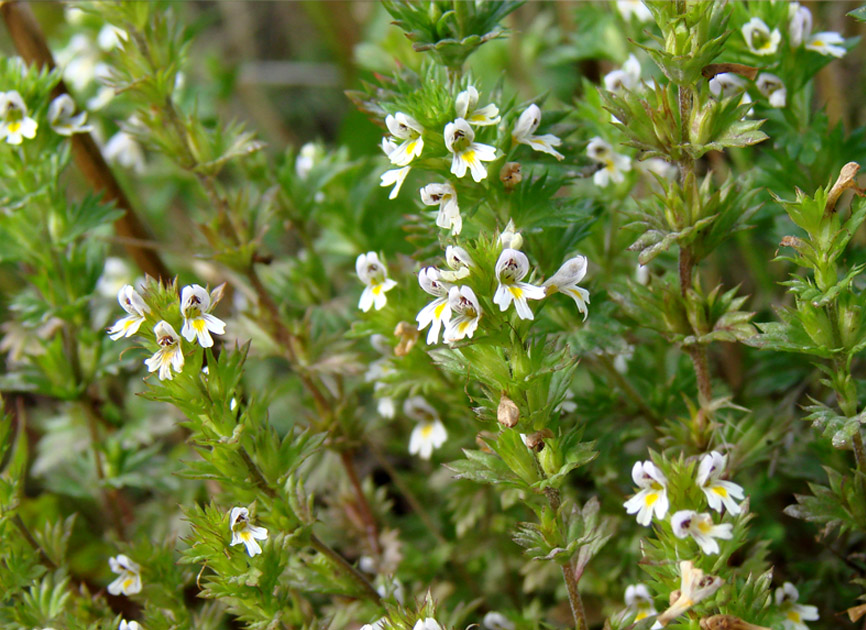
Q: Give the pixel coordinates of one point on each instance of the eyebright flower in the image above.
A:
(826, 43)
(408, 130)
(467, 108)
(15, 124)
(169, 356)
(374, 275)
(615, 164)
(653, 493)
(759, 39)
(379, 369)
(429, 434)
(245, 532)
(636, 8)
(465, 314)
(695, 587)
(718, 491)
(129, 580)
(637, 597)
(726, 84)
(438, 312)
(128, 625)
(467, 154)
(132, 303)
(62, 119)
(786, 599)
(197, 322)
(427, 624)
(395, 177)
(524, 133)
(625, 78)
(687, 523)
(445, 197)
(379, 624)
(565, 281)
(110, 37)
(511, 268)
(497, 621)
(309, 155)
(510, 237)
(123, 149)
(772, 87)
(800, 25)
(459, 261)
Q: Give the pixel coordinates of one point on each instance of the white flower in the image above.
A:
(642, 274)
(827, 43)
(395, 177)
(637, 597)
(459, 261)
(772, 87)
(636, 8)
(124, 150)
(465, 314)
(408, 130)
(497, 621)
(524, 130)
(625, 78)
(687, 523)
(110, 37)
(197, 321)
(103, 74)
(115, 274)
(717, 490)
(658, 166)
(426, 437)
(759, 39)
(129, 580)
(621, 359)
(565, 281)
(378, 370)
(373, 273)
(652, 496)
(445, 197)
(615, 164)
(128, 625)
(694, 588)
(15, 124)
(467, 108)
(169, 354)
(795, 614)
(510, 237)
(132, 303)
(800, 25)
(245, 532)
(78, 60)
(511, 268)
(379, 624)
(438, 312)
(427, 624)
(467, 154)
(62, 120)
(726, 84)
(309, 155)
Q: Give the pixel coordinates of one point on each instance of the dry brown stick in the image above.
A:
(31, 45)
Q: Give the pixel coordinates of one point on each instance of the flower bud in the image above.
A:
(510, 175)
(535, 441)
(507, 414)
(408, 335)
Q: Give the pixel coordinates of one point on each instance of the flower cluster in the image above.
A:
(17, 124)
(652, 500)
(198, 323)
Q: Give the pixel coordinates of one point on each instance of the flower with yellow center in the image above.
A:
(467, 108)
(827, 43)
(373, 274)
(652, 498)
(687, 523)
(429, 434)
(437, 312)
(132, 303)
(195, 302)
(795, 614)
(129, 580)
(615, 164)
(511, 268)
(15, 124)
(64, 120)
(445, 197)
(717, 490)
(244, 532)
(169, 356)
(565, 281)
(407, 129)
(466, 153)
(759, 39)
(524, 133)
(465, 314)
(637, 598)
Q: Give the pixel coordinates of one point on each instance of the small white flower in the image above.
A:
(465, 314)
(378, 370)
(128, 625)
(129, 580)
(759, 39)
(695, 587)
(786, 599)
(800, 25)
(115, 274)
(373, 274)
(621, 359)
(169, 354)
(497, 621)
(197, 321)
(445, 197)
(772, 87)
(132, 303)
(395, 177)
(524, 133)
(124, 150)
(62, 117)
(687, 523)
(15, 124)
(511, 268)
(437, 312)
(309, 155)
(110, 37)
(652, 496)
(467, 108)
(459, 261)
(718, 491)
(565, 281)
(637, 598)
(510, 237)
(408, 130)
(467, 154)
(615, 164)
(636, 8)
(658, 166)
(427, 624)
(827, 43)
(642, 274)
(426, 437)
(379, 624)
(625, 78)
(245, 532)
(726, 84)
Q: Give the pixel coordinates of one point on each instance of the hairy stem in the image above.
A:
(48, 562)
(364, 510)
(574, 598)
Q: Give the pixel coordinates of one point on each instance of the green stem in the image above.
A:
(48, 562)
